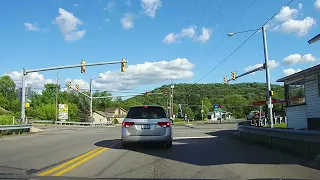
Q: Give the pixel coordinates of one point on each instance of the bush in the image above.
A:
(6, 120)
(115, 121)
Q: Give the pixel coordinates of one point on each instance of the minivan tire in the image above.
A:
(169, 144)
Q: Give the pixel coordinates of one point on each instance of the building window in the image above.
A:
(318, 81)
(296, 94)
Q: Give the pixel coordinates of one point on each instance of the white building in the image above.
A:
(302, 93)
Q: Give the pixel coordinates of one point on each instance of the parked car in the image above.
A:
(146, 124)
(251, 115)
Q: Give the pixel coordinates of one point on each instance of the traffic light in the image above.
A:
(147, 93)
(233, 75)
(69, 84)
(123, 65)
(225, 79)
(166, 92)
(83, 68)
(271, 93)
(77, 87)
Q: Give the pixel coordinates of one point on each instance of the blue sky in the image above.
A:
(156, 35)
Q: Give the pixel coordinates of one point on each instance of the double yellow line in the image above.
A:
(73, 163)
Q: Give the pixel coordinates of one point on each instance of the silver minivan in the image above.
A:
(146, 124)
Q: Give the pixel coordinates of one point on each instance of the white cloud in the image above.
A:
(146, 73)
(34, 80)
(272, 64)
(110, 6)
(127, 21)
(288, 72)
(300, 6)
(150, 7)
(317, 4)
(30, 26)
(188, 32)
(170, 38)
(68, 25)
(299, 27)
(299, 59)
(286, 14)
(75, 5)
(205, 36)
(128, 2)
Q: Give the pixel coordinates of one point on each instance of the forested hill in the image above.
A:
(233, 97)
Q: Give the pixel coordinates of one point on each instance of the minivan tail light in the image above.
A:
(127, 124)
(164, 124)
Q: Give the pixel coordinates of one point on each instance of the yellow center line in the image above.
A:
(67, 163)
(79, 162)
(92, 152)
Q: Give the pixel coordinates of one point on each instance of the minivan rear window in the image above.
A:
(146, 112)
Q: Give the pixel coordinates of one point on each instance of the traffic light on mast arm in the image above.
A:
(233, 75)
(225, 79)
(77, 87)
(83, 68)
(69, 84)
(147, 93)
(123, 65)
(166, 92)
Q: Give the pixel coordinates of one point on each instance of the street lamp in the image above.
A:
(91, 81)
(266, 66)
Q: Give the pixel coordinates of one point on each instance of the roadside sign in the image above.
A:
(27, 105)
(63, 111)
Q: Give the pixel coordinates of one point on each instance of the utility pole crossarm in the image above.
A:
(71, 66)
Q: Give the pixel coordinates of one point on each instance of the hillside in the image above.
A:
(236, 98)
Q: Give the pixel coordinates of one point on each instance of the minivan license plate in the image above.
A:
(145, 126)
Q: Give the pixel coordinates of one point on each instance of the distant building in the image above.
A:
(302, 94)
(100, 117)
(115, 113)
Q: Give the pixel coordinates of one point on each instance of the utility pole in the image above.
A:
(91, 100)
(171, 98)
(57, 94)
(202, 111)
(266, 64)
(91, 94)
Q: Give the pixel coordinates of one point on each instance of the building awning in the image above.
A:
(304, 73)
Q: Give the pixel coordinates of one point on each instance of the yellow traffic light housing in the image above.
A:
(69, 84)
(271, 93)
(77, 87)
(83, 68)
(233, 75)
(225, 79)
(147, 93)
(123, 65)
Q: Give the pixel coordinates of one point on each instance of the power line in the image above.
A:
(212, 20)
(243, 42)
(200, 21)
(194, 6)
(240, 17)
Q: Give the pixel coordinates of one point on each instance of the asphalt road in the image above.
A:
(199, 151)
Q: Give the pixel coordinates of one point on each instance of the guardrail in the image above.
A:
(301, 135)
(15, 127)
(72, 123)
(304, 142)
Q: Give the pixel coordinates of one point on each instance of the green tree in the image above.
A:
(236, 104)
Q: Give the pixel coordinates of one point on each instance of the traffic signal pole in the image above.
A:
(266, 63)
(26, 72)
